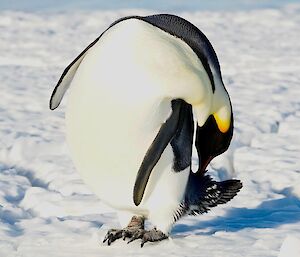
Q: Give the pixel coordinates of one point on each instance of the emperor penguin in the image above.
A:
(146, 96)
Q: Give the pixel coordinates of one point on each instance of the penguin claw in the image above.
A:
(115, 234)
(112, 235)
(133, 231)
(153, 235)
(136, 235)
(127, 234)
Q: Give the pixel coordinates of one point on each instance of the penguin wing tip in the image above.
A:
(52, 106)
(137, 197)
(136, 201)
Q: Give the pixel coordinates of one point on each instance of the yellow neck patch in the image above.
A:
(222, 122)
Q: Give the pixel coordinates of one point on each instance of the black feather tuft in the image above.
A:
(203, 193)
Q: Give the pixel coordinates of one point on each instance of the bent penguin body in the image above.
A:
(142, 96)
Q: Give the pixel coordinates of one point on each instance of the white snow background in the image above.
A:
(46, 210)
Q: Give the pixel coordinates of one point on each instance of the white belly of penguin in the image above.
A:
(118, 100)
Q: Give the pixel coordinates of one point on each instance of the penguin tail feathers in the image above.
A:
(203, 193)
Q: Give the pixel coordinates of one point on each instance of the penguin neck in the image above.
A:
(221, 107)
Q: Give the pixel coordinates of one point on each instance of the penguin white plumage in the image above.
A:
(143, 95)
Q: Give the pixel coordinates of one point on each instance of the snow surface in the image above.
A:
(46, 210)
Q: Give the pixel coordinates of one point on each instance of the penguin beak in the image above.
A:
(204, 163)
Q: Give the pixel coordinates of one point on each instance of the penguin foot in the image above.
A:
(153, 235)
(112, 235)
(135, 229)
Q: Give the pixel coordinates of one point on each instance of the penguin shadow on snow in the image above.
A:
(269, 214)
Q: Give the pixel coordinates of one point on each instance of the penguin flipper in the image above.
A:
(154, 152)
(203, 193)
(67, 76)
(69, 72)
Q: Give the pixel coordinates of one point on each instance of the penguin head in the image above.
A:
(214, 136)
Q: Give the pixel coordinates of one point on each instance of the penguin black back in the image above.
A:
(191, 35)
